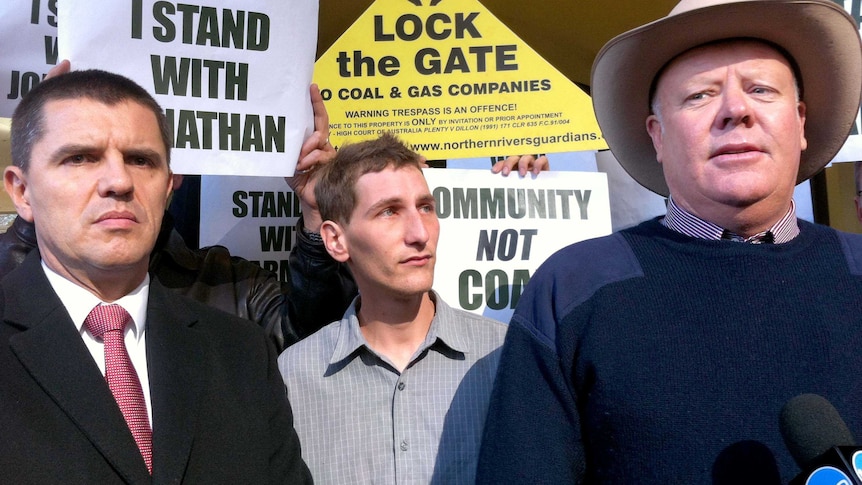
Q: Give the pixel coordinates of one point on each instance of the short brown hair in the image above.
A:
(28, 125)
(336, 188)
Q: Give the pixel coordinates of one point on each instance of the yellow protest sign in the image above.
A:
(453, 82)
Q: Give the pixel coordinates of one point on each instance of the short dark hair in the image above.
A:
(28, 125)
(335, 191)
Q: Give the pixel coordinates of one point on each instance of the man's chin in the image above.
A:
(742, 193)
(121, 262)
(413, 290)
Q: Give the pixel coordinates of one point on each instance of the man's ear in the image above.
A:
(15, 182)
(334, 241)
(176, 181)
(654, 130)
(172, 185)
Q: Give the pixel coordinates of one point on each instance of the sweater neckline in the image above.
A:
(809, 234)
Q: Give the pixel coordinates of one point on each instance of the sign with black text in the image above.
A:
(28, 34)
(495, 231)
(232, 75)
(452, 81)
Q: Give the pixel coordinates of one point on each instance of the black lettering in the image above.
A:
(229, 126)
(240, 208)
(208, 28)
(443, 199)
(188, 12)
(137, 18)
(517, 206)
(14, 81)
(276, 238)
(465, 25)
(492, 203)
(167, 79)
(379, 36)
(233, 28)
(583, 198)
(168, 32)
(410, 21)
(564, 202)
(487, 243)
(432, 29)
(496, 289)
(481, 53)
(35, 5)
(258, 32)
(465, 203)
(457, 61)
(236, 81)
(466, 281)
(528, 242)
(187, 131)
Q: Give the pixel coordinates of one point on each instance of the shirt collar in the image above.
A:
(444, 329)
(684, 222)
(79, 301)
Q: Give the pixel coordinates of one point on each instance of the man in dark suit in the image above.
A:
(176, 392)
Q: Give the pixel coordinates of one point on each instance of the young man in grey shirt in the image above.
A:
(397, 390)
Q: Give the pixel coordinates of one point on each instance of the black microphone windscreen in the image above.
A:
(810, 426)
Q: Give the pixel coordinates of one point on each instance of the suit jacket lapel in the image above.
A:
(51, 349)
(176, 360)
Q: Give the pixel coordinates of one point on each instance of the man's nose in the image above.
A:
(416, 231)
(735, 107)
(115, 180)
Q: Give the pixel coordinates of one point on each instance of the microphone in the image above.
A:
(819, 441)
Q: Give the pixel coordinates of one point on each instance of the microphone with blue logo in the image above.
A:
(819, 441)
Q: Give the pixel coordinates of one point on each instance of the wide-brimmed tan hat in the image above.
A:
(820, 36)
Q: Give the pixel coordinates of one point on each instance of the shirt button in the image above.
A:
(404, 446)
(401, 386)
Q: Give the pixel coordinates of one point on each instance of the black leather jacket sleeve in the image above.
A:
(319, 291)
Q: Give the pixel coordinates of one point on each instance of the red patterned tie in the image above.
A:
(109, 322)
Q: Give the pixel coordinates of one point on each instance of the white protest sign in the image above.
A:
(28, 36)
(494, 230)
(254, 217)
(233, 78)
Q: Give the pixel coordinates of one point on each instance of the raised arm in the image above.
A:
(320, 288)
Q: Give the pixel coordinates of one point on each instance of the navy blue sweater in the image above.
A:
(651, 357)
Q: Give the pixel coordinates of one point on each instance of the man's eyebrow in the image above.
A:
(78, 148)
(385, 203)
(398, 201)
(143, 153)
(72, 149)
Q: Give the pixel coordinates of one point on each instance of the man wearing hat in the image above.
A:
(665, 352)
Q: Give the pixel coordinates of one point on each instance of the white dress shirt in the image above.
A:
(79, 302)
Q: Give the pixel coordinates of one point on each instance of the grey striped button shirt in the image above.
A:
(360, 421)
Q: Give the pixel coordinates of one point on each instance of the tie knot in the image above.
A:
(104, 318)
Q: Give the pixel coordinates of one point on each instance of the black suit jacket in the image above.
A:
(220, 413)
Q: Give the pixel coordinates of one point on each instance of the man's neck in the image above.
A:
(396, 327)
(107, 286)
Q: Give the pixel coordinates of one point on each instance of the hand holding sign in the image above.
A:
(315, 151)
(524, 163)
